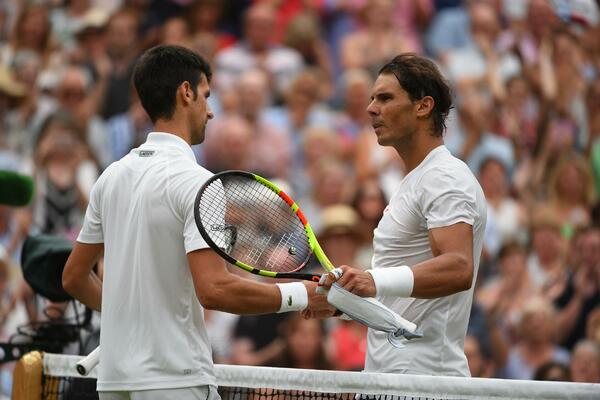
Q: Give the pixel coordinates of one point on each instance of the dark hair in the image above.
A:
(543, 373)
(420, 77)
(509, 248)
(160, 71)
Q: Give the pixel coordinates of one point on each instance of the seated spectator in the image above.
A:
(303, 344)
(303, 34)
(257, 51)
(31, 31)
(331, 185)
(548, 254)
(571, 193)
(230, 149)
(535, 345)
(585, 362)
(339, 235)
(65, 173)
(553, 371)
(352, 119)
(302, 108)
(74, 97)
(369, 202)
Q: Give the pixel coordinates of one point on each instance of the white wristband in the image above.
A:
(294, 296)
(394, 281)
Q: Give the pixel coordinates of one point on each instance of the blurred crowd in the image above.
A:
(291, 83)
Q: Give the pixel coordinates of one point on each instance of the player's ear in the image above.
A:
(185, 93)
(425, 106)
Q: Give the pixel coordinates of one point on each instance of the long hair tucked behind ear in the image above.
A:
(420, 77)
(160, 71)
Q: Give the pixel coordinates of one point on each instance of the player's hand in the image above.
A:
(318, 307)
(357, 281)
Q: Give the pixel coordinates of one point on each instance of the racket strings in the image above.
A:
(252, 224)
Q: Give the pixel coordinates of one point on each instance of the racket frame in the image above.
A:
(313, 244)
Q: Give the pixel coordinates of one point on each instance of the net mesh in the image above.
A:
(253, 224)
(60, 381)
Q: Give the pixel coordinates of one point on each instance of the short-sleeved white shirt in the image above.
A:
(441, 191)
(152, 324)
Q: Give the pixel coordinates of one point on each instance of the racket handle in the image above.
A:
(89, 362)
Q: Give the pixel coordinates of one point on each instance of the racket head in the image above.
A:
(254, 225)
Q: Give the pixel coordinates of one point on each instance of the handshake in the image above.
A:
(349, 293)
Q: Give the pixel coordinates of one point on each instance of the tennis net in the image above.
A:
(54, 377)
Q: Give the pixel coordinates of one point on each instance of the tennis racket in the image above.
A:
(256, 226)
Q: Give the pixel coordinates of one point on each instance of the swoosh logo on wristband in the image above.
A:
(289, 301)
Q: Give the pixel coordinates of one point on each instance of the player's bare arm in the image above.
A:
(79, 278)
(218, 289)
(449, 271)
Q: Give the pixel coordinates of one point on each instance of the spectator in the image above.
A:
(303, 344)
(378, 41)
(32, 31)
(581, 293)
(535, 345)
(571, 193)
(504, 297)
(75, 97)
(547, 258)
(65, 174)
(257, 51)
(352, 120)
(479, 365)
(302, 108)
(128, 130)
(369, 202)
(204, 17)
(509, 214)
(553, 371)
(122, 50)
(330, 186)
(592, 326)
(339, 235)
(303, 34)
(585, 363)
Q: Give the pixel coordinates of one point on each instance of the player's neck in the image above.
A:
(415, 151)
(174, 126)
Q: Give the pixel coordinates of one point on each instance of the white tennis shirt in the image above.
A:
(152, 325)
(441, 191)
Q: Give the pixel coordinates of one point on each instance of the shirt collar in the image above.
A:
(171, 140)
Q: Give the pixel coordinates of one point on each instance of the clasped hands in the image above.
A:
(353, 280)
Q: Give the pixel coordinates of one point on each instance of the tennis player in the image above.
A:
(428, 243)
(159, 273)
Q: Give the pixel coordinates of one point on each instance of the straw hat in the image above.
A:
(339, 219)
(8, 83)
(94, 20)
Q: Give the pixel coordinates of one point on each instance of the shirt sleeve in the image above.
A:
(91, 231)
(448, 198)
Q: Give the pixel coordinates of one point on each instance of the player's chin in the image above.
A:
(381, 139)
(199, 136)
